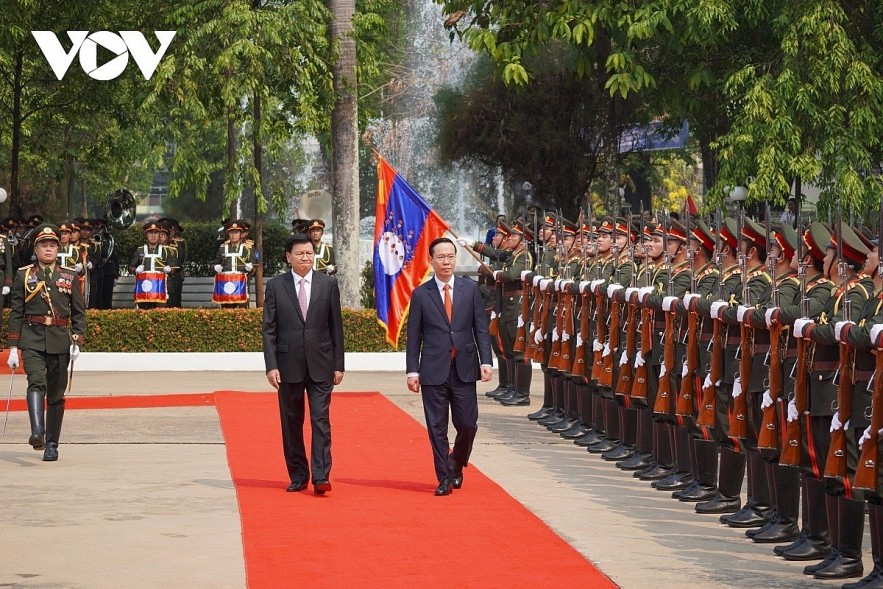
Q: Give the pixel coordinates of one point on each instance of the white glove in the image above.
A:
(639, 359)
(329, 269)
(12, 361)
(835, 422)
(538, 337)
(544, 283)
(493, 315)
(838, 329)
(74, 352)
(768, 316)
(520, 322)
(668, 303)
(606, 351)
(875, 333)
(629, 292)
(624, 358)
(740, 313)
(737, 387)
(689, 298)
(462, 242)
(565, 284)
(497, 274)
(167, 269)
(866, 435)
(792, 411)
(583, 284)
(558, 284)
(139, 269)
(645, 290)
(684, 370)
(767, 400)
(249, 266)
(89, 265)
(579, 339)
(612, 288)
(78, 267)
(218, 268)
(799, 325)
(555, 335)
(597, 346)
(707, 383)
(596, 283)
(663, 370)
(536, 280)
(565, 335)
(717, 307)
(5, 290)
(524, 273)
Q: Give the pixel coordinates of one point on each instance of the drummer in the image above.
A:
(151, 264)
(234, 263)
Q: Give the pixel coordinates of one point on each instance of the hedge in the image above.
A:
(206, 330)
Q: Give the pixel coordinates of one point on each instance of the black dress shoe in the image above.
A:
(621, 452)
(321, 487)
(808, 550)
(591, 437)
(456, 472)
(562, 427)
(780, 550)
(540, 413)
(766, 526)
(444, 488)
(509, 394)
(656, 473)
(577, 430)
(296, 486)
(37, 440)
(719, 504)
(842, 567)
(500, 389)
(518, 400)
(691, 488)
(603, 445)
(750, 516)
(638, 462)
(50, 454)
(673, 482)
(778, 533)
(697, 494)
(551, 419)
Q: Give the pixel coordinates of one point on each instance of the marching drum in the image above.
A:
(150, 287)
(230, 288)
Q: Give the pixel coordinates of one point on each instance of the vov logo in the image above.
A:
(86, 44)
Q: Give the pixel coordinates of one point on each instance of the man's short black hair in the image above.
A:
(438, 241)
(295, 239)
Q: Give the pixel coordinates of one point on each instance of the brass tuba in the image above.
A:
(119, 211)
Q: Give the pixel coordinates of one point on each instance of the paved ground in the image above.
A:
(143, 498)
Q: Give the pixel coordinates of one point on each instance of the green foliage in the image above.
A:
(366, 287)
(206, 330)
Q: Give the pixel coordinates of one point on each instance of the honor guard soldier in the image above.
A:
(176, 280)
(151, 264)
(109, 266)
(47, 322)
(68, 253)
(545, 268)
(234, 263)
(323, 261)
(26, 242)
(7, 271)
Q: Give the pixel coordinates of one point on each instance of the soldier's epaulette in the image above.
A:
(28, 267)
(730, 272)
(762, 273)
(821, 280)
(791, 278)
(709, 269)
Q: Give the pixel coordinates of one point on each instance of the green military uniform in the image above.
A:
(323, 261)
(235, 257)
(545, 267)
(176, 278)
(47, 316)
(490, 294)
(153, 258)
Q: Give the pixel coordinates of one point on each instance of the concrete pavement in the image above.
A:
(143, 497)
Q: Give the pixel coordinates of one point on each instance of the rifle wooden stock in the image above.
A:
(579, 357)
(536, 351)
(768, 436)
(605, 379)
(792, 448)
(663, 402)
(601, 336)
(555, 356)
(521, 332)
(626, 371)
(866, 471)
(739, 420)
(494, 325)
(708, 405)
(565, 361)
(686, 404)
(536, 314)
(835, 465)
(642, 373)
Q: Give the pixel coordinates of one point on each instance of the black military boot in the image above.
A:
(36, 414)
(732, 471)
(54, 417)
(579, 429)
(523, 375)
(683, 476)
(848, 546)
(757, 509)
(502, 376)
(783, 527)
(544, 411)
(662, 450)
(874, 579)
(790, 493)
(705, 455)
(818, 540)
(627, 419)
(643, 457)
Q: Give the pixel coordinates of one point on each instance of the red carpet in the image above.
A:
(127, 402)
(381, 526)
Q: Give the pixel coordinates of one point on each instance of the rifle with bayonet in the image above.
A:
(626, 367)
(686, 405)
(835, 465)
(606, 376)
(791, 447)
(708, 404)
(768, 435)
(663, 402)
(739, 420)
(642, 370)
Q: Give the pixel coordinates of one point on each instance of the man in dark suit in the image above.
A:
(303, 350)
(447, 340)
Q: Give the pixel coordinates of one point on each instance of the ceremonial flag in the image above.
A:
(404, 228)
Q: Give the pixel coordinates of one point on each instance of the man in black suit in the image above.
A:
(447, 340)
(303, 350)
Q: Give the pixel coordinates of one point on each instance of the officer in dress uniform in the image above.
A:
(7, 271)
(153, 257)
(323, 261)
(47, 322)
(235, 255)
(176, 280)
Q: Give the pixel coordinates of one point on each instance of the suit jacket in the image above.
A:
(26, 298)
(431, 336)
(294, 346)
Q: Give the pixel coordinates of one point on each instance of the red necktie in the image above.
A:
(449, 311)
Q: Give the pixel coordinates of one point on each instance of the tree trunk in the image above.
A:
(231, 154)
(14, 191)
(258, 199)
(345, 155)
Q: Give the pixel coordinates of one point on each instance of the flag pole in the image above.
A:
(472, 253)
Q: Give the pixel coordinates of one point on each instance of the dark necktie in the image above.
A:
(47, 274)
